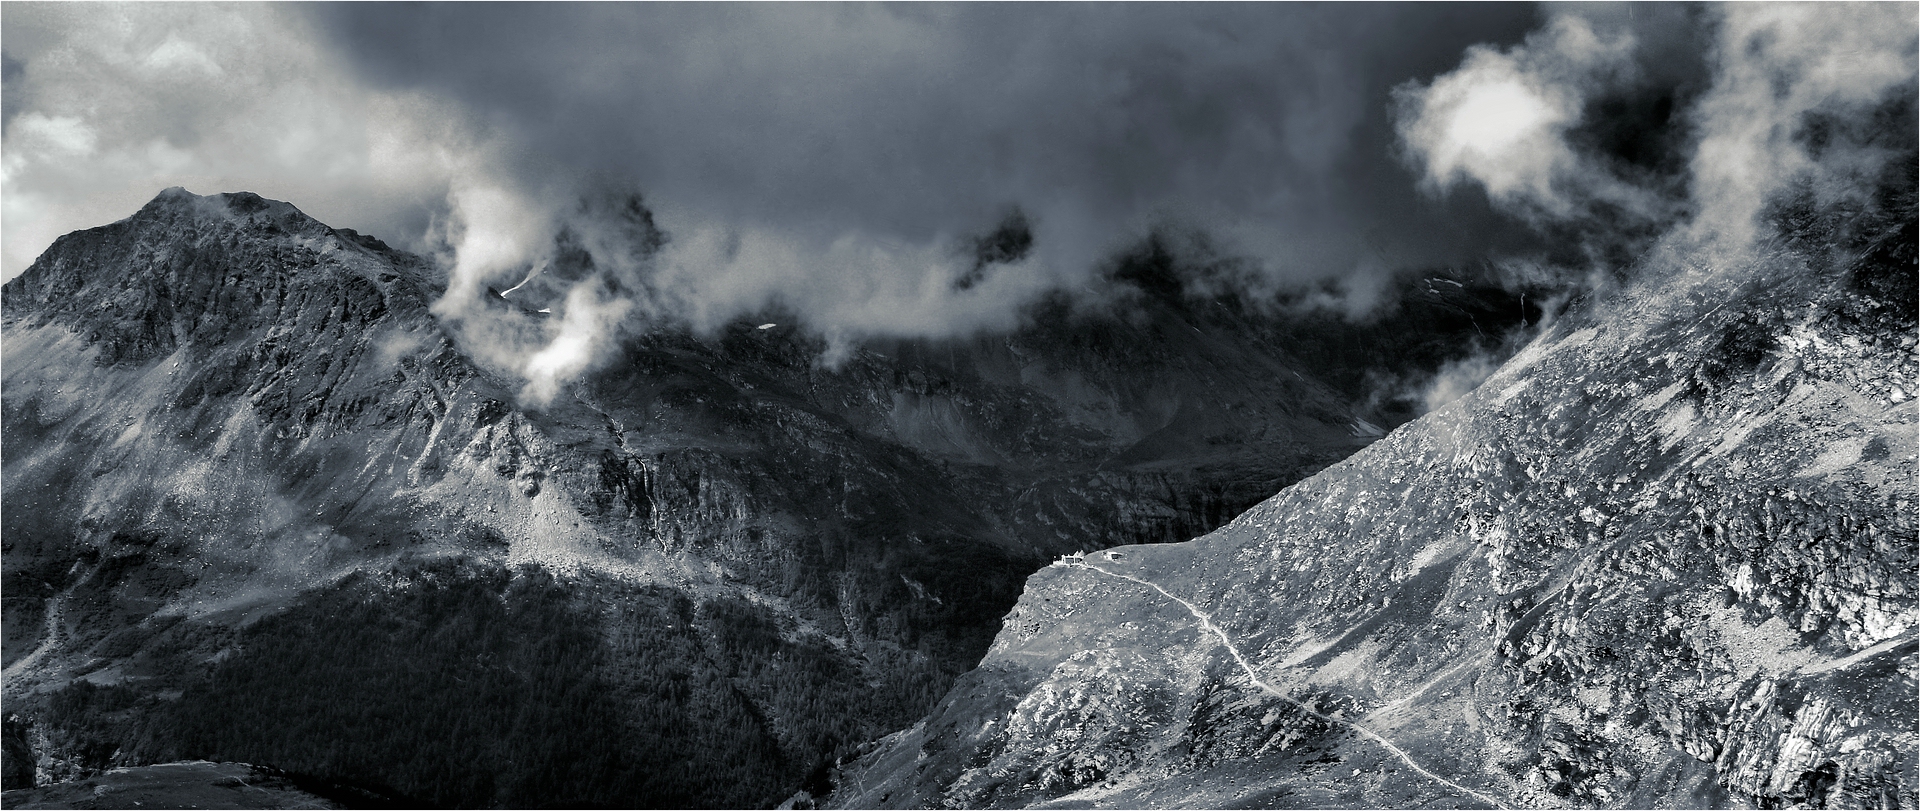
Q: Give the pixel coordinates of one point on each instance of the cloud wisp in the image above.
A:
(1777, 65)
(1732, 93)
(854, 167)
(1501, 120)
(1529, 125)
(842, 163)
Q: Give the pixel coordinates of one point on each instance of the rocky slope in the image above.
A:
(197, 784)
(1665, 557)
(229, 426)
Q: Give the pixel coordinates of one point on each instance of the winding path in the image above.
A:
(1207, 623)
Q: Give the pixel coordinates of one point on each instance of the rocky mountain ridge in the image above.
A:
(1664, 557)
(228, 423)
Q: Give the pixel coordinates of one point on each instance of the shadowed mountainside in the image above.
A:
(261, 508)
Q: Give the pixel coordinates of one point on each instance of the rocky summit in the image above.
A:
(262, 506)
(1664, 557)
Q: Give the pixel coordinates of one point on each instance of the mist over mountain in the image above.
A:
(1665, 557)
(843, 164)
(240, 441)
(1662, 557)
(959, 405)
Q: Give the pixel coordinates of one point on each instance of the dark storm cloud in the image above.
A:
(850, 164)
(845, 162)
(926, 169)
(1265, 124)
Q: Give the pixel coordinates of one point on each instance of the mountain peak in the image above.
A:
(201, 268)
(176, 200)
(172, 193)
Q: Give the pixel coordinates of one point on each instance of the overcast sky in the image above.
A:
(838, 161)
(904, 125)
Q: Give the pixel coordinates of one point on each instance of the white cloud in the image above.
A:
(179, 54)
(36, 135)
(1776, 63)
(589, 319)
(492, 232)
(1501, 131)
(114, 102)
(1501, 119)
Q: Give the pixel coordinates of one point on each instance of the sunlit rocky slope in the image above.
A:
(1665, 557)
(260, 507)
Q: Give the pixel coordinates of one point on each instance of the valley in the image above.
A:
(238, 442)
(1632, 569)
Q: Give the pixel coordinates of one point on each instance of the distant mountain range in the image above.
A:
(260, 507)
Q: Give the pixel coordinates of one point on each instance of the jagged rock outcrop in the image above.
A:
(1665, 557)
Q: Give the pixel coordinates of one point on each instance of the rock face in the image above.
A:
(228, 426)
(1664, 557)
